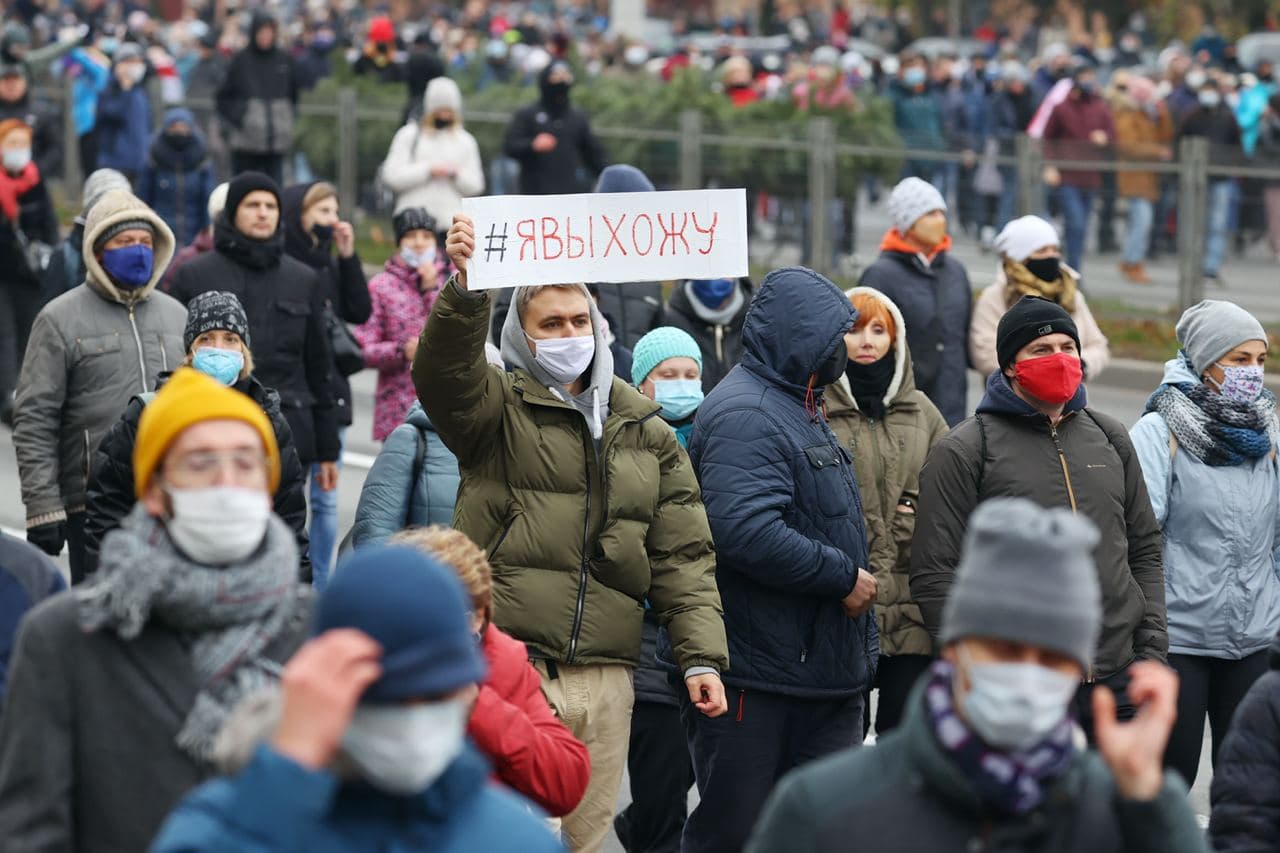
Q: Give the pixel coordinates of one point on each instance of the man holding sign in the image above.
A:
(585, 504)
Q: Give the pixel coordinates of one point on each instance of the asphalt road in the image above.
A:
(1126, 404)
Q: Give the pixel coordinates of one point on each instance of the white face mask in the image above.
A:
(404, 749)
(1014, 706)
(417, 259)
(16, 159)
(219, 525)
(565, 359)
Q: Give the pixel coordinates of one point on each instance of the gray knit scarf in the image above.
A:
(231, 613)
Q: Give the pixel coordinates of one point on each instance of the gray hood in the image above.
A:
(593, 402)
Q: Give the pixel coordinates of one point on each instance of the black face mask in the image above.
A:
(831, 369)
(323, 233)
(178, 141)
(442, 123)
(1045, 269)
(556, 94)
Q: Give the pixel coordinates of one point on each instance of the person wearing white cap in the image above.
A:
(931, 288)
(1031, 265)
(1207, 445)
(435, 163)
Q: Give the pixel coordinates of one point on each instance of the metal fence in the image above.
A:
(684, 157)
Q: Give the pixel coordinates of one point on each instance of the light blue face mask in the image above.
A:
(679, 398)
(223, 365)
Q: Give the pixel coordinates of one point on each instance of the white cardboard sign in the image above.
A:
(609, 237)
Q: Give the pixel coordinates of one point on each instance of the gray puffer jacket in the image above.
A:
(90, 351)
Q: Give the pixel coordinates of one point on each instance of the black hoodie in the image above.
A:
(570, 167)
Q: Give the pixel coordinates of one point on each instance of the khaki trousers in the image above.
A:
(594, 701)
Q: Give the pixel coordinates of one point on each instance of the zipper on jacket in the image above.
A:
(582, 566)
(137, 339)
(1062, 459)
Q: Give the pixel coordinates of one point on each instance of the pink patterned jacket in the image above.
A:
(400, 309)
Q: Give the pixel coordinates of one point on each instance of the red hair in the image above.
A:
(872, 308)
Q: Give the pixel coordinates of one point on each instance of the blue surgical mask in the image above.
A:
(679, 398)
(713, 292)
(914, 77)
(223, 365)
(1015, 706)
(129, 266)
(417, 259)
(1240, 384)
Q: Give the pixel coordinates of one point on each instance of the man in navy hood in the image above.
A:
(791, 557)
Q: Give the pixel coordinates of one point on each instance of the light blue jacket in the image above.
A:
(392, 499)
(1221, 529)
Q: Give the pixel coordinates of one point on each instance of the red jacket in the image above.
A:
(531, 750)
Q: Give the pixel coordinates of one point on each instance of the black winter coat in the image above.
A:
(721, 346)
(39, 222)
(1246, 780)
(110, 494)
(66, 264)
(783, 503)
(633, 309)
(1086, 464)
(342, 283)
(570, 167)
(936, 302)
(290, 343)
(258, 101)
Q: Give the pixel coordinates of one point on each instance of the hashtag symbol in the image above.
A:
(500, 249)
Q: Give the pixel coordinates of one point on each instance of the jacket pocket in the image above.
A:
(290, 332)
(829, 481)
(503, 532)
(98, 345)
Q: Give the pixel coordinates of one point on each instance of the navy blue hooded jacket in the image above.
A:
(1246, 780)
(178, 179)
(783, 504)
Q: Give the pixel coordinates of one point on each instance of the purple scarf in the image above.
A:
(1009, 783)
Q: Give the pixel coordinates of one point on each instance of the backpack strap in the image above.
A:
(146, 397)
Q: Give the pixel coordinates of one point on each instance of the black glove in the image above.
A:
(49, 537)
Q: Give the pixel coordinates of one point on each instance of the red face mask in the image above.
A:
(1053, 379)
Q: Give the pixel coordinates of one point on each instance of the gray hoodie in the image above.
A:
(593, 402)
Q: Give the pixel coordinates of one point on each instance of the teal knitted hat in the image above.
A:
(659, 345)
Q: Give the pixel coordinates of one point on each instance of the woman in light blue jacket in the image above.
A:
(1207, 445)
(413, 483)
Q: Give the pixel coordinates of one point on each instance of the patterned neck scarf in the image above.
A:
(1220, 432)
(1020, 282)
(1009, 783)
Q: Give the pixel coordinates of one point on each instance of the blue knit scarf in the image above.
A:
(1009, 783)
(1220, 432)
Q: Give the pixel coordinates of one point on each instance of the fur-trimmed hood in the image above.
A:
(120, 206)
(903, 381)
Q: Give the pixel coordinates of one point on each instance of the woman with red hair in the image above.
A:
(889, 427)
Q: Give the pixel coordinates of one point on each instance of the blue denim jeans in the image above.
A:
(1222, 194)
(1138, 234)
(1077, 204)
(324, 522)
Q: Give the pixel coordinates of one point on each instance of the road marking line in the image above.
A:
(357, 460)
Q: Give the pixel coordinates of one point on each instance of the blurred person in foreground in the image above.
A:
(989, 756)
(365, 747)
(118, 688)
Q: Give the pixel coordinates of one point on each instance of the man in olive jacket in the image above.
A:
(1033, 437)
(585, 504)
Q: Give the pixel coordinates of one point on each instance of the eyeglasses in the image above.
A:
(203, 467)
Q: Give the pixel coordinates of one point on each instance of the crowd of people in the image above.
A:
(691, 532)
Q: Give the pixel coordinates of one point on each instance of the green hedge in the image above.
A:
(632, 102)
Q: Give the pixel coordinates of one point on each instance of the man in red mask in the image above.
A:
(1034, 437)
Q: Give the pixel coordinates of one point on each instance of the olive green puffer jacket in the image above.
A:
(576, 547)
(887, 458)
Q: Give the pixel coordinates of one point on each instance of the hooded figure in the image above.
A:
(258, 101)
(178, 177)
(90, 349)
(786, 517)
(888, 426)
(552, 141)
